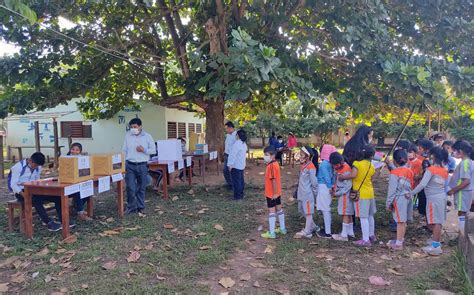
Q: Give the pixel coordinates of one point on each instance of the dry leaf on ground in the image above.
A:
(18, 278)
(69, 240)
(269, 249)
(134, 256)
(149, 246)
(168, 226)
(109, 233)
(109, 265)
(378, 281)
(110, 219)
(160, 278)
(133, 228)
(53, 260)
(204, 247)
(303, 269)
(395, 272)
(385, 257)
(43, 252)
(256, 284)
(84, 286)
(175, 198)
(341, 289)
(4, 287)
(219, 227)
(245, 277)
(226, 282)
(257, 264)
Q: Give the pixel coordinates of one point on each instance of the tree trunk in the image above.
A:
(215, 126)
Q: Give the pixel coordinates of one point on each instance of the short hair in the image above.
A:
(279, 137)
(181, 138)
(368, 152)
(76, 144)
(426, 144)
(404, 144)
(412, 148)
(400, 157)
(462, 145)
(38, 158)
(230, 124)
(438, 136)
(336, 158)
(269, 150)
(447, 143)
(135, 121)
(242, 135)
(440, 155)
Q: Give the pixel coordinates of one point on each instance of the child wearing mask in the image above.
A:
(307, 191)
(273, 194)
(433, 183)
(399, 200)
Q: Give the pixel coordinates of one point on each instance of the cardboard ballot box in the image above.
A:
(74, 169)
(169, 150)
(201, 149)
(195, 138)
(108, 164)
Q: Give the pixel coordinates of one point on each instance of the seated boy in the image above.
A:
(30, 170)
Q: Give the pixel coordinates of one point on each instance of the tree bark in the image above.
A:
(215, 126)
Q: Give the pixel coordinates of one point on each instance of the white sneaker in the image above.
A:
(339, 237)
(303, 234)
(432, 251)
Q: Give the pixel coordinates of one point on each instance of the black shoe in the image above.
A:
(130, 211)
(322, 234)
(54, 226)
(141, 210)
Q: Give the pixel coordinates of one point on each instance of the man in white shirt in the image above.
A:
(30, 170)
(236, 164)
(138, 147)
(230, 139)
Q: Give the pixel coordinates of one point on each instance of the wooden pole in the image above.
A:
(401, 132)
(69, 142)
(2, 168)
(37, 137)
(429, 124)
(439, 120)
(56, 143)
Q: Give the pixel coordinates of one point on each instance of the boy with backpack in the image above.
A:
(30, 170)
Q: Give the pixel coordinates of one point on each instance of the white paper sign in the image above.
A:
(180, 164)
(83, 162)
(104, 184)
(71, 189)
(215, 154)
(171, 167)
(117, 159)
(169, 150)
(206, 149)
(189, 161)
(86, 189)
(117, 177)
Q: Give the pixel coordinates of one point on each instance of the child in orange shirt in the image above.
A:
(273, 194)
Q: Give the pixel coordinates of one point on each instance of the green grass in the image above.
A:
(175, 256)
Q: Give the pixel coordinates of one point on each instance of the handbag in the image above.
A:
(354, 195)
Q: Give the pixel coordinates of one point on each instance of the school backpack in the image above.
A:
(24, 165)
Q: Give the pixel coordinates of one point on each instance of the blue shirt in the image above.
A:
(229, 142)
(278, 146)
(272, 140)
(28, 175)
(237, 155)
(451, 164)
(133, 141)
(326, 174)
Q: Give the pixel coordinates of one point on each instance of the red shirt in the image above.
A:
(272, 172)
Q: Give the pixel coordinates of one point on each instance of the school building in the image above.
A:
(100, 136)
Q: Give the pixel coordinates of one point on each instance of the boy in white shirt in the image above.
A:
(236, 164)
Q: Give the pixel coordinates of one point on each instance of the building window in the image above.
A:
(198, 128)
(182, 130)
(172, 130)
(75, 129)
(191, 128)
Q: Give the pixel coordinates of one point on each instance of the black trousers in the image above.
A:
(38, 204)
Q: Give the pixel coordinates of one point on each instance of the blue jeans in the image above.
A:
(136, 180)
(227, 176)
(38, 204)
(238, 183)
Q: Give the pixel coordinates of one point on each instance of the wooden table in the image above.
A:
(289, 156)
(51, 187)
(163, 167)
(202, 158)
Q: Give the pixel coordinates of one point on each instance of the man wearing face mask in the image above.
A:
(230, 139)
(138, 147)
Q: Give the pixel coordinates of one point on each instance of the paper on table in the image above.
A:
(104, 184)
(180, 164)
(171, 167)
(71, 189)
(86, 189)
(117, 177)
(116, 159)
(83, 162)
(189, 161)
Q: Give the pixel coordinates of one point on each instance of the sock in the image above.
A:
(398, 243)
(281, 219)
(435, 244)
(371, 225)
(309, 224)
(327, 222)
(272, 221)
(350, 229)
(364, 223)
(462, 223)
(344, 230)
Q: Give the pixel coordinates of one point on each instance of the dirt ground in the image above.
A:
(289, 266)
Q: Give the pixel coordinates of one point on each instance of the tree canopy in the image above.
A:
(364, 53)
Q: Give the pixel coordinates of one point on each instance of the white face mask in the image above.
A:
(134, 131)
(267, 159)
(280, 141)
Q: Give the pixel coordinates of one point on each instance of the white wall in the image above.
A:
(107, 135)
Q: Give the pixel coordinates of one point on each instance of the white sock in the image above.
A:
(371, 225)
(462, 223)
(281, 219)
(350, 229)
(364, 224)
(309, 224)
(344, 230)
(398, 243)
(272, 221)
(327, 222)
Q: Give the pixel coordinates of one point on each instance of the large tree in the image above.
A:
(202, 53)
